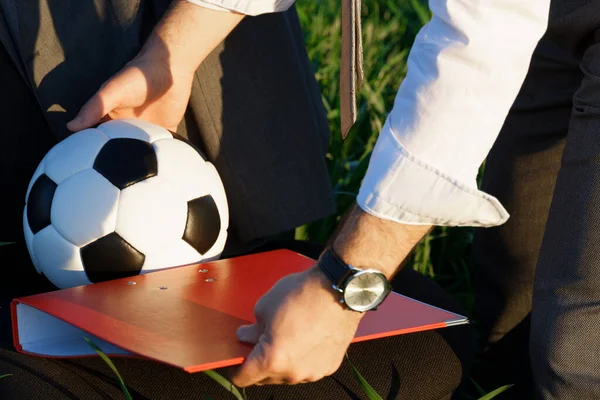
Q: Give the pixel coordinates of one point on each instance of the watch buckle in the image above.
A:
(337, 289)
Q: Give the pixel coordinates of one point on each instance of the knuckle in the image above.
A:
(333, 369)
(312, 378)
(294, 378)
(259, 307)
(276, 361)
(237, 381)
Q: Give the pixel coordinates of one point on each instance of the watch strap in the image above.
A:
(334, 268)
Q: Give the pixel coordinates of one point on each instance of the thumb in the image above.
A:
(249, 333)
(252, 370)
(104, 101)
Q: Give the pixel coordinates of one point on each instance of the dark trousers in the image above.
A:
(419, 366)
(538, 276)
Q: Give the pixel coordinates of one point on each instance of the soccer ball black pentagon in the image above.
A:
(122, 199)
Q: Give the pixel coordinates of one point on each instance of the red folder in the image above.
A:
(185, 316)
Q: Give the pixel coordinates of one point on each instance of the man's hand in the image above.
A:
(155, 86)
(301, 334)
(302, 331)
(146, 89)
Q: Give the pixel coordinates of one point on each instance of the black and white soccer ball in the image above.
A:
(122, 199)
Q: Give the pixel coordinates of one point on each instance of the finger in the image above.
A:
(106, 118)
(96, 109)
(249, 333)
(252, 370)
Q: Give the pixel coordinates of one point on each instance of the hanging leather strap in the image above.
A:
(351, 74)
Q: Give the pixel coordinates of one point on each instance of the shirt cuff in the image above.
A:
(401, 188)
(209, 5)
(246, 7)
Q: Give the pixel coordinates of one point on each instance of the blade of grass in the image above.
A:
(422, 11)
(6, 243)
(369, 391)
(479, 388)
(495, 393)
(221, 380)
(5, 375)
(112, 366)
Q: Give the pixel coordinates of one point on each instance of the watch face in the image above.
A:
(365, 290)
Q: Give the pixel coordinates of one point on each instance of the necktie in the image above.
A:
(351, 74)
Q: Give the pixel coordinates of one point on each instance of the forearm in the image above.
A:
(366, 241)
(187, 34)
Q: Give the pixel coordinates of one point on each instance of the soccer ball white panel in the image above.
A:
(38, 171)
(29, 241)
(61, 261)
(134, 129)
(182, 166)
(151, 213)
(174, 254)
(74, 154)
(85, 207)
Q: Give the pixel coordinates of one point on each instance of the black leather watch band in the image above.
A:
(334, 268)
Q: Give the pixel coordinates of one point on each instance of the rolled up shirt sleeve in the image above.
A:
(465, 70)
(246, 7)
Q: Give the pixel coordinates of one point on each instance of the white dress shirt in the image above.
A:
(465, 69)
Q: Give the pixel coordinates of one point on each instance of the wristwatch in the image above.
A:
(360, 290)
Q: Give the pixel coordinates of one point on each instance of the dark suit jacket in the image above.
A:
(255, 108)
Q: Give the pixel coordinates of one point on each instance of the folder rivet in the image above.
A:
(131, 283)
(203, 270)
(210, 279)
(163, 288)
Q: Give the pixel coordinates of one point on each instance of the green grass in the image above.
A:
(496, 392)
(226, 384)
(366, 387)
(111, 366)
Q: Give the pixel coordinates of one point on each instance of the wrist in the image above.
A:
(324, 286)
(187, 34)
(368, 242)
(169, 55)
(156, 53)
